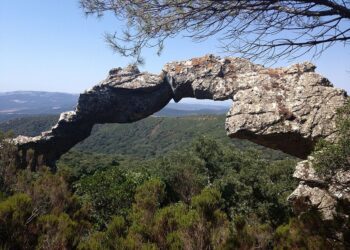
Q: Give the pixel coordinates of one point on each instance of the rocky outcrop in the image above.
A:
(125, 96)
(283, 108)
(327, 194)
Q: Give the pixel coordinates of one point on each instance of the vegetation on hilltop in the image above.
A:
(147, 138)
(29, 126)
(204, 192)
(206, 195)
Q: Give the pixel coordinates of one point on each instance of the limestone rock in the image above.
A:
(126, 95)
(283, 108)
(306, 197)
(326, 194)
(208, 77)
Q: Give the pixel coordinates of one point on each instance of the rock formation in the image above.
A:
(324, 194)
(282, 108)
(125, 96)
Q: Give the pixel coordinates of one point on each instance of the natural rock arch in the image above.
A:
(282, 108)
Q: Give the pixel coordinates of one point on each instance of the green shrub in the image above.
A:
(110, 192)
(17, 217)
(57, 232)
(329, 157)
(250, 233)
(8, 165)
(308, 231)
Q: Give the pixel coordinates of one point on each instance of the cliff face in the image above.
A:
(282, 108)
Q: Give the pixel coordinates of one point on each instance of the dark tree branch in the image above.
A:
(268, 29)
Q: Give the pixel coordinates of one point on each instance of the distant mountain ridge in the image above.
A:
(19, 104)
(36, 102)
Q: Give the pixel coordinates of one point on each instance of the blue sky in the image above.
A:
(50, 45)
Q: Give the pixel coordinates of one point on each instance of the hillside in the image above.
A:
(152, 136)
(146, 138)
(29, 125)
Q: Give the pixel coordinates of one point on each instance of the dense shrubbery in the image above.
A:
(306, 231)
(109, 192)
(207, 196)
(199, 225)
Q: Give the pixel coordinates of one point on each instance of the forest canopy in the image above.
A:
(206, 194)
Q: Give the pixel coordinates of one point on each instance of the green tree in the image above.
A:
(330, 157)
(211, 153)
(148, 200)
(308, 231)
(178, 226)
(182, 172)
(57, 232)
(16, 222)
(8, 165)
(112, 238)
(110, 192)
(250, 233)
